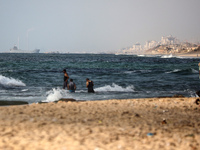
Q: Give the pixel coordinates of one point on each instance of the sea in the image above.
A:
(39, 78)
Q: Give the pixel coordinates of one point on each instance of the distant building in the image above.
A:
(169, 40)
(150, 44)
(126, 51)
(137, 47)
(168, 44)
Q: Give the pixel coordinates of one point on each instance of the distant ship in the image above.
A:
(16, 50)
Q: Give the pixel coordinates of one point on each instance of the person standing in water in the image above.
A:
(66, 77)
(71, 86)
(198, 92)
(199, 68)
(89, 85)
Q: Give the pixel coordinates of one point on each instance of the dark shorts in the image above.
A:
(65, 85)
(90, 90)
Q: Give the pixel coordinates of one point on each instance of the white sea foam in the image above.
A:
(137, 71)
(129, 72)
(167, 56)
(115, 88)
(55, 94)
(141, 55)
(10, 82)
(194, 71)
(145, 71)
(190, 92)
(175, 70)
(24, 90)
(179, 70)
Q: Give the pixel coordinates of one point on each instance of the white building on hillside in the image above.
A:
(150, 44)
(169, 40)
(137, 47)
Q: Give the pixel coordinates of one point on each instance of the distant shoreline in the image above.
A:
(186, 55)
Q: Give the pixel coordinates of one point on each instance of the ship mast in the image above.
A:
(18, 43)
(27, 42)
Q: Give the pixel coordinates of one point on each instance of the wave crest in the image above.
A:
(10, 82)
(167, 56)
(184, 71)
(115, 88)
(54, 95)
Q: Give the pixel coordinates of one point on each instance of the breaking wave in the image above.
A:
(10, 82)
(55, 94)
(115, 88)
(190, 70)
(167, 56)
(58, 93)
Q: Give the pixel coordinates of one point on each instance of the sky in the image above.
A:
(95, 25)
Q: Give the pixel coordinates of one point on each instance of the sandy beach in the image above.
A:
(152, 123)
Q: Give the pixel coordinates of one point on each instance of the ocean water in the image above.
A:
(39, 77)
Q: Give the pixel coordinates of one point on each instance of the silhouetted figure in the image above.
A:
(66, 77)
(71, 86)
(89, 85)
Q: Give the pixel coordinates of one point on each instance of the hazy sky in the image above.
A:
(95, 25)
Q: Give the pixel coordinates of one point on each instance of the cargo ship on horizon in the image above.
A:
(16, 50)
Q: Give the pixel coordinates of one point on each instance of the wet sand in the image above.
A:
(152, 123)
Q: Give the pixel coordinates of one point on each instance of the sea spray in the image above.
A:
(55, 94)
(115, 88)
(194, 71)
(10, 82)
(167, 56)
(184, 71)
(174, 71)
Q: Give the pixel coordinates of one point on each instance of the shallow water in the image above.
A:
(39, 77)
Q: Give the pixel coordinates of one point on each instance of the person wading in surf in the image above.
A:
(71, 86)
(198, 92)
(66, 77)
(199, 68)
(89, 85)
